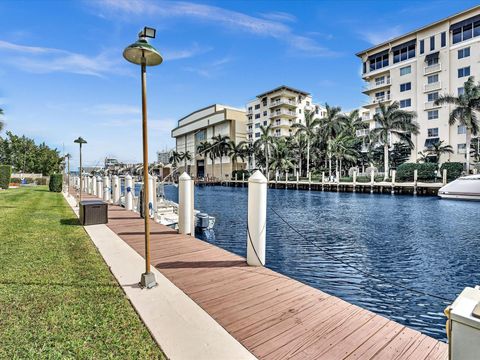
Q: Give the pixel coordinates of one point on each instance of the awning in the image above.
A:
(430, 141)
(432, 56)
(460, 24)
(401, 46)
(381, 53)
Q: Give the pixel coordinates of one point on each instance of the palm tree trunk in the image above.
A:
(341, 168)
(213, 167)
(385, 162)
(266, 163)
(468, 140)
(308, 155)
(336, 166)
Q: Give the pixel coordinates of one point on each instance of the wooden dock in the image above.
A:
(273, 316)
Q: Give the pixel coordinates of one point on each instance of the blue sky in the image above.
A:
(62, 73)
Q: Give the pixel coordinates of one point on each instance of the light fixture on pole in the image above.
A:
(144, 54)
(80, 141)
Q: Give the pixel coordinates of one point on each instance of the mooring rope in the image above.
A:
(366, 273)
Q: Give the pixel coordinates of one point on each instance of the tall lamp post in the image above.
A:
(80, 141)
(144, 54)
(68, 156)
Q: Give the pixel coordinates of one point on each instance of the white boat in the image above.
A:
(464, 188)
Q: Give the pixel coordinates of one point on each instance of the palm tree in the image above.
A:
(393, 121)
(466, 106)
(475, 149)
(220, 149)
(185, 156)
(2, 124)
(308, 129)
(330, 126)
(236, 151)
(175, 158)
(204, 149)
(438, 149)
(297, 145)
(265, 142)
(280, 157)
(343, 148)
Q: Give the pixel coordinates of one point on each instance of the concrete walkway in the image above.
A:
(181, 327)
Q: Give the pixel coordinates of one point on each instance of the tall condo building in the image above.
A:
(281, 108)
(415, 68)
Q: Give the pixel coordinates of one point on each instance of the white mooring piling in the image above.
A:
(256, 219)
(444, 177)
(94, 185)
(394, 174)
(354, 179)
(106, 188)
(415, 179)
(372, 181)
(185, 204)
(129, 192)
(115, 189)
(99, 187)
(152, 194)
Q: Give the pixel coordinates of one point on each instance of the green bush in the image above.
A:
(5, 174)
(454, 170)
(239, 173)
(425, 171)
(56, 181)
(405, 171)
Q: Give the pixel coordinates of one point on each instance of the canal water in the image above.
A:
(369, 250)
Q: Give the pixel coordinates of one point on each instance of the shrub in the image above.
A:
(405, 171)
(56, 181)
(425, 171)
(454, 170)
(5, 174)
(239, 173)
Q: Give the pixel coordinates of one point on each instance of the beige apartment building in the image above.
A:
(280, 107)
(415, 68)
(202, 125)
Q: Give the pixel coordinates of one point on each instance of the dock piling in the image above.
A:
(256, 219)
(115, 189)
(106, 188)
(185, 204)
(129, 192)
(99, 187)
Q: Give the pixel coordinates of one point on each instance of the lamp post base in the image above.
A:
(148, 280)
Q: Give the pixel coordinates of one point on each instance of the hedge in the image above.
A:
(239, 173)
(56, 181)
(454, 170)
(425, 171)
(5, 174)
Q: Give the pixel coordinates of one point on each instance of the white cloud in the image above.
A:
(279, 16)
(194, 50)
(114, 109)
(210, 69)
(44, 60)
(379, 36)
(233, 20)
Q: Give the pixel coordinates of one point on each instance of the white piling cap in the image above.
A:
(128, 176)
(184, 177)
(257, 177)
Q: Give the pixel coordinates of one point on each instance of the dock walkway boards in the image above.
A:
(273, 316)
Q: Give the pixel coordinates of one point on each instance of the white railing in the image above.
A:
(282, 112)
(432, 68)
(362, 132)
(431, 105)
(282, 102)
(377, 84)
(433, 86)
(282, 123)
(366, 117)
(380, 99)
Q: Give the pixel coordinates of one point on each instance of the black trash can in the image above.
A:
(93, 212)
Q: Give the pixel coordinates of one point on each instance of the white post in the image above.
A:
(155, 197)
(152, 195)
(116, 189)
(106, 188)
(415, 177)
(444, 177)
(89, 185)
(337, 176)
(298, 177)
(94, 185)
(243, 179)
(309, 180)
(354, 179)
(185, 204)
(286, 179)
(372, 181)
(257, 219)
(129, 192)
(394, 173)
(99, 187)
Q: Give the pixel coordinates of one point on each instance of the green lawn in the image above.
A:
(58, 299)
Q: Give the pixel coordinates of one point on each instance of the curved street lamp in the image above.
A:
(143, 54)
(80, 141)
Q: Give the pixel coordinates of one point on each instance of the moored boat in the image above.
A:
(464, 188)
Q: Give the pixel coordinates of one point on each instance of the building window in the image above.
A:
(433, 132)
(432, 43)
(463, 53)
(461, 129)
(432, 60)
(257, 135)
(461, 90)
(265, 123)
(308, 103)
(249, 108)
(378, 61)
(433, 114)
(405, 70)
(432, 79)
(364, 67)
(299, 111)
(257, 125)
(443, 39)
(265, 113)
(403, 52)
(257, 106)
(249, 117)
(422, 46)
(432, 96)
(257, 116)
(461, 148)
(465, 71)
(465, 30)
(405, 103)
(405, 86)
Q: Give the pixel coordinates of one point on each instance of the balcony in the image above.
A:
(427, 70)
(429, 105)
(366, 117)
(362, 132)
(283, 101)
(249, 112)
(433, 86)
(377, 100)
(281, 123)
(283, 113)
(250, 130)
(377, 85)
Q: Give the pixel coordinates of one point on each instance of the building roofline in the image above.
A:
(359, 54)
(281, 88)
(208, 107)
